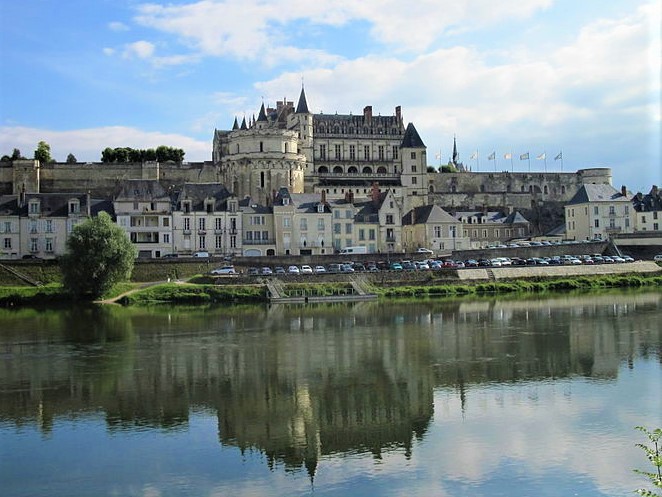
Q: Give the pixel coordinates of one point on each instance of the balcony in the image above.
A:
(259, 242)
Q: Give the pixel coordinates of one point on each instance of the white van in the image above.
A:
(202, 254)
(354, 250)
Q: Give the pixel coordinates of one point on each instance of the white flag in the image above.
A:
(437, 156)
(541, 156)
(507, 156)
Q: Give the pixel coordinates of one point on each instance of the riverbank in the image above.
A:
(206, 289)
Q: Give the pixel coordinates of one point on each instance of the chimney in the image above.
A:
(367, 113)
(88, 201)
(398, 114)
(654, 191)
(624, 191)
(346, 196)
(323, 199)
(21, 196)
(375, 193)
(351, 197)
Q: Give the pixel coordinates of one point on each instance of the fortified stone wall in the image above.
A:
(519, 190)
(102, 179)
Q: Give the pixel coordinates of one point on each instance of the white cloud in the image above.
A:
(117, 26)
(141, 49)
(87, 144)
(252, 29)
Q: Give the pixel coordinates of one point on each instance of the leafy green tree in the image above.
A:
(43, 153)
(16, 155)
(99, 254)
(654, 453)
(108, 155)
(71, 159)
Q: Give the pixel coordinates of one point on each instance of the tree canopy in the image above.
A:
(71, 159)
(99, 254)
(43, 153)
(126, 154)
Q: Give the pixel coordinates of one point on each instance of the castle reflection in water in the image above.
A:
(297, 383)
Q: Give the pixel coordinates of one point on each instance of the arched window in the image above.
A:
(381, 170)
(482, 188)
(367, 170)
(352, 170)
(337, 170)
(546, 190)
(453, 188)
(323, 169)
(431, 189)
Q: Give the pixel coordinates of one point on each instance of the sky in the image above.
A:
(579, 80)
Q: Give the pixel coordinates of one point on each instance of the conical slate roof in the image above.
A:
(302, 106)
(263, 114)
(412, 138)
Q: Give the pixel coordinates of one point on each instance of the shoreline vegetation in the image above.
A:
(200, 290)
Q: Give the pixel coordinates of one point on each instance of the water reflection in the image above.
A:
(301, 383)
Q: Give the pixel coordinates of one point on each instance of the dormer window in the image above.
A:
(186, 206)
(320, 208)
(286, 201)
(34, 207)
(209, 206)
(74, 206)
(232, 206)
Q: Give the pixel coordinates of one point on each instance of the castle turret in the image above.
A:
(414, 168)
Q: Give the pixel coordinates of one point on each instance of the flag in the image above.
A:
(559, 157)
(541, 156)
(492, 156)
(524, 156)
(437, 156)
(474, 156)
(508, 156)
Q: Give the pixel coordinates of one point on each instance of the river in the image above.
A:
(494, 397)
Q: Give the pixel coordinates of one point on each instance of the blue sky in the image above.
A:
(514, 76)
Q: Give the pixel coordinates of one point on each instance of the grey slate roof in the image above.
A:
(141, 190)
(412, 139)
(427, 214)
(597, 193)
(53, 204)
(302, 105)
(199, 192)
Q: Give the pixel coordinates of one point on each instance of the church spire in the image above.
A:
(236, 124)
(455, 156)
(302, 106)
(243, 123)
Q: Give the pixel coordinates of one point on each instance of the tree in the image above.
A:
(71, 159)
(654, 454)
(16, 155)
(43, 153)
(99, 254)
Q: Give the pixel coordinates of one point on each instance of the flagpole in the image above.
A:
(477, 161)
(545, 157)
(528, 159)
(512, 166)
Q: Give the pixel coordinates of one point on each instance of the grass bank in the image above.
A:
(199, 291)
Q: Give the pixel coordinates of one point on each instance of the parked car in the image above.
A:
(224, 270)
(346, 268)
(408, 266)
(319, 269)
(169, 256)
(279, 270)
(253, 271)
(333, 268)
(265, 271)
(424, 250)
(202, 254)
(293, 270)
(305, 269)
(395, 266)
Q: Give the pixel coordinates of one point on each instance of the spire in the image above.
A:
(243, 123)
(302, 106)
(263, 114)
(235, 125)
(455, 156)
